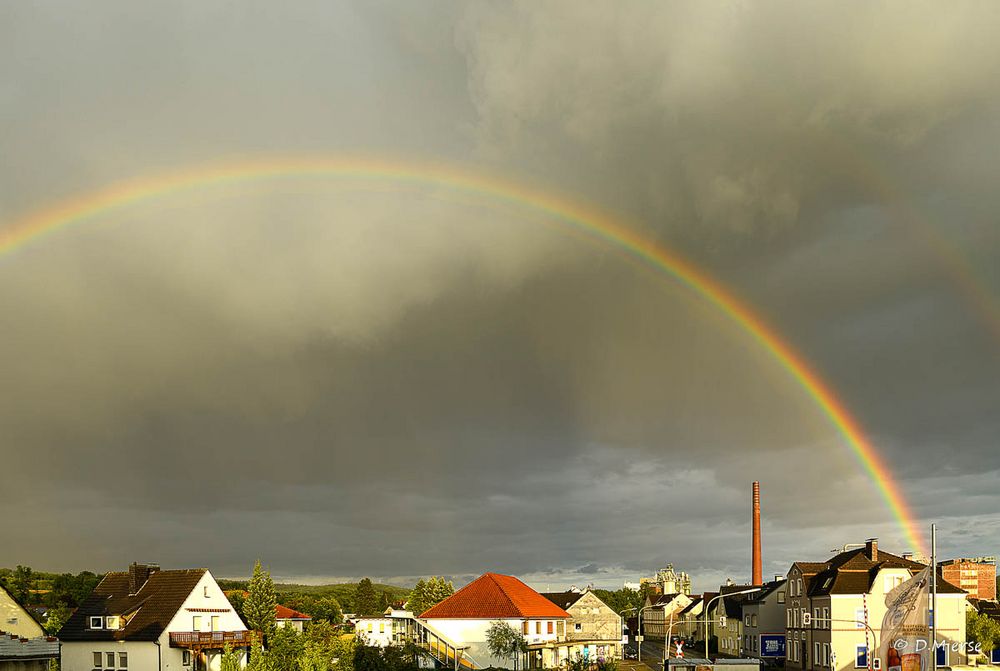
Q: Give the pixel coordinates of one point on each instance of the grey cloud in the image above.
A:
(389, 379)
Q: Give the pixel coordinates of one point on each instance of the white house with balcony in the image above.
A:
(147, 619)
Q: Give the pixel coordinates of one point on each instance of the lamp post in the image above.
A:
(708, 608)
(639, 635)
(621, 614)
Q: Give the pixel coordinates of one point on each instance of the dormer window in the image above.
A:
(112, 622)
(97, 622)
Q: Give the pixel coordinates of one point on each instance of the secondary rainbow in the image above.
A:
(586, 219)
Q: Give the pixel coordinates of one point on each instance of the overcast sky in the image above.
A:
(349, 378)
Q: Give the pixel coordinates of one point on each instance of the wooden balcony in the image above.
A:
(210, 640)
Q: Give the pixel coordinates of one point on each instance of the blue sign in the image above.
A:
(772, 645)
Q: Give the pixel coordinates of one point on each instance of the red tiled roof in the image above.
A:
(493, 596)
(285, 613)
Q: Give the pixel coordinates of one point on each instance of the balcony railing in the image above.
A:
(210, 639)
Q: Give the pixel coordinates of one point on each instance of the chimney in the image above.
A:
(758, 573)
(871, 549)
(138, 574)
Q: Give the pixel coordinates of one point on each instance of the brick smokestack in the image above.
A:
(758, 573)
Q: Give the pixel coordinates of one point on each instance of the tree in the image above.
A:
(365, 598)
(286, 646)
(428, 594)
(230, 659)
(57, 618)
(20, 584)
(325, 650)
(259, 606)
(982, 629)
(327, 609)
(505, 641)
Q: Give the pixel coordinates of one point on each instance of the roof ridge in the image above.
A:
(493, 577)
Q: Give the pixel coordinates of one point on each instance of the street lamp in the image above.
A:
(708, 607)
(621, 614)
(638, 636)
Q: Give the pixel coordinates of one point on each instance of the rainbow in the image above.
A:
(587, 220)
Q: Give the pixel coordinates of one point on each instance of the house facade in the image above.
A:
(595, 630)
(978, 577)
(834, 610)
(659, 612)
(148, 619)
(465, 617)
(14, 619)
(287, 617)
(764, 622)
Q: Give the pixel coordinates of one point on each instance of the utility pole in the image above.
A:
(934, 665)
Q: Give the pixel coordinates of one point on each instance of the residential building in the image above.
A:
(14, 619)
(595, 631)
(464, 618)
(978, 577)
(660, 611)
(390, 628)
(764, 622)
(687, 626)
(286, 617)
(844, 598)
(145, 619)
(27, 654)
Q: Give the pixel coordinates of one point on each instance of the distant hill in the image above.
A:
(342, 592)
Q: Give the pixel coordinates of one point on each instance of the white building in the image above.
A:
(147, 619)
(466, 615)
(14, 619)
(288, 617)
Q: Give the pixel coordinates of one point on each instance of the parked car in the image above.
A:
(631, 652)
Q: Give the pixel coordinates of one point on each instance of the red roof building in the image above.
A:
(492, 596)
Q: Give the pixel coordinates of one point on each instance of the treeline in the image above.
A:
(361, 598)
(58, 593)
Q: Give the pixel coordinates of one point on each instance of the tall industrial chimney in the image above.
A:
(758, 577)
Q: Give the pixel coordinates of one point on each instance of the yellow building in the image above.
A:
(834, 610)
(16, 620)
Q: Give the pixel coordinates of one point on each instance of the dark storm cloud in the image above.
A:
(361, 379)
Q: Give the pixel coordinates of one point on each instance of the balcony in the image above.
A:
(208, 640)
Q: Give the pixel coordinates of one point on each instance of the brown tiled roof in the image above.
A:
(492, 596)
(286, 613)
(852, 572)
(148, 612)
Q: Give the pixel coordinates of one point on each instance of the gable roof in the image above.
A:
(148, 612)
(564, 600)
(286, 613)
(853, 572)
(493, 596)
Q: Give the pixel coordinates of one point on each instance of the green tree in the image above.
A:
(365, 599)
(57, 618)
(327, 609)
(20, 584)
(286, 646)
(982, 629)
(325, 650)
(505, 641)
(429, 593)
(260, 603)
(230, 659)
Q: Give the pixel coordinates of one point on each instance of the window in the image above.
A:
(371, 627)
(538, 627)
(859, 619)
(861, 657)
(816, 653)
(826, 618)
(753, 620)
(826, 655)
(122, 660)
(578, 627)
(97, 622)
(552, 627)
(746, 620)
(381, 627)
(942, 654)
(186, 657)
(196, 623)
(781, 596)
(98, 658)
(111, 622)
(524, 627)
(215, 623)
(110, 657)
(205, 591)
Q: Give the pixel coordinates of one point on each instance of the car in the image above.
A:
(631, 652)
